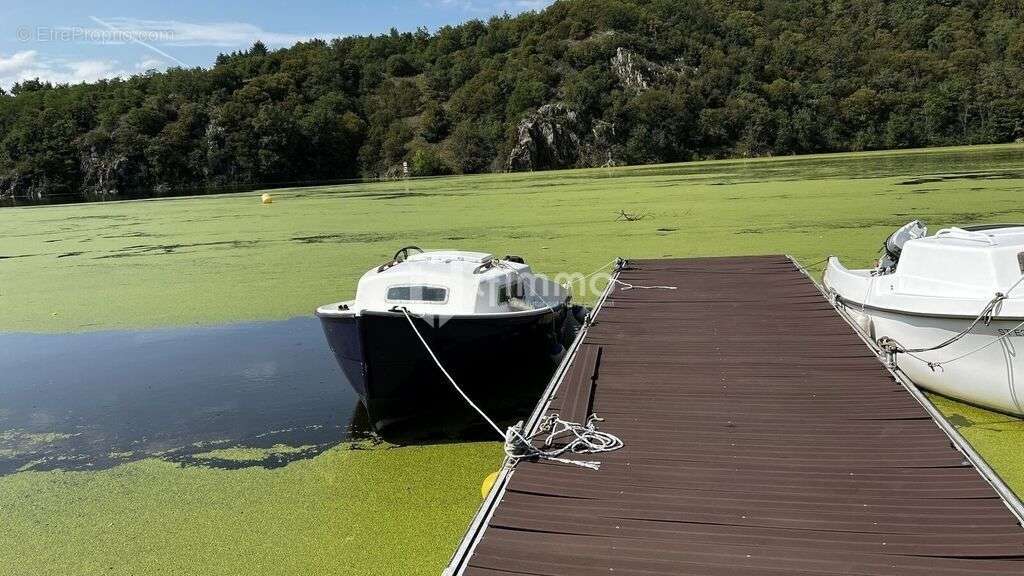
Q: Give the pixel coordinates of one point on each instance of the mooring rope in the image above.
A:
(586, 438)
(628, 286)
(506, 266)
(892, 346)
(812, 264)
(1007, 334)
(867, 293)
(607, 265)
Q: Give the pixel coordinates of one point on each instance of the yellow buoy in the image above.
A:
(266, 198)
(489, 481)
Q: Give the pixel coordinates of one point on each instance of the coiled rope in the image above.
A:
(585, 438)
(893, 347)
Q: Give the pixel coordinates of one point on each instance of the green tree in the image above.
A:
(400, 65)
(589, 91)
(473, 145)
(434, 122)
(425, 161)
(395, 142)
(526, 95)
(660, 128)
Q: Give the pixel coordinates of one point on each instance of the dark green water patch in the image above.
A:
(93, 217)
(996, 175)
(150, 249)
(960, 421)
(346, 238)
(891, 221)
(395, 196)
(126, 235)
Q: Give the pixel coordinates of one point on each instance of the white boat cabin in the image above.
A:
(453, 283)
(953, 272)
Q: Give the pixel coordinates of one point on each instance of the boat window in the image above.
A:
(418, 293)
(507, 292)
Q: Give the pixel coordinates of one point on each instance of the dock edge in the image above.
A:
(1009, 498)
(459, 559)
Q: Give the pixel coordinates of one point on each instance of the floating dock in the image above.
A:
(762, 436)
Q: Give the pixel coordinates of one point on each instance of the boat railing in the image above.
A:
(961, 234)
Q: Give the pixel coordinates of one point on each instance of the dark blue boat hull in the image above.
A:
(492, 359)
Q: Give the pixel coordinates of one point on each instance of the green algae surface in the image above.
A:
(250, 454)
(401, 510)
(379, 511)
(215, 259)
(996, 437)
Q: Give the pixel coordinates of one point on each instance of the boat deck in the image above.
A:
(762, 436)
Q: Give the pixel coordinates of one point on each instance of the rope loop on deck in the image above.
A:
(582, 439)
(586, 438)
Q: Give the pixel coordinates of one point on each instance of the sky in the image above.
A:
(71, 42)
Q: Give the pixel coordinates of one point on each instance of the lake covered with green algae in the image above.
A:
(172, 407)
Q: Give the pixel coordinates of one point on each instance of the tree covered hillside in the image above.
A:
(585, 82)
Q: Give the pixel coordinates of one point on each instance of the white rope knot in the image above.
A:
(582, 439)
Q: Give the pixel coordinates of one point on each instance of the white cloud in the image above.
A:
(29, 64)
(17, 61)
(157, 36)
(89, 69)
(151, 64)
(492, 6)
(178, 33)
(530, 4)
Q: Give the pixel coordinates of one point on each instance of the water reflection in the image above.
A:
(94, 400)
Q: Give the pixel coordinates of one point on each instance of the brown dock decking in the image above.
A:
(761, 437)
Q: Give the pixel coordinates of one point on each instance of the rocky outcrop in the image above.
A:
(22, 186)
(547, 138)
(13, 185)
(111, 174)
(555, 136)
(638, 74)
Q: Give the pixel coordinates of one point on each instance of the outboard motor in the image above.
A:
(893, 246)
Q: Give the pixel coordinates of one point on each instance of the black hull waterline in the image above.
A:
(493, 358)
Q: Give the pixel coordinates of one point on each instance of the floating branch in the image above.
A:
(630, 217)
